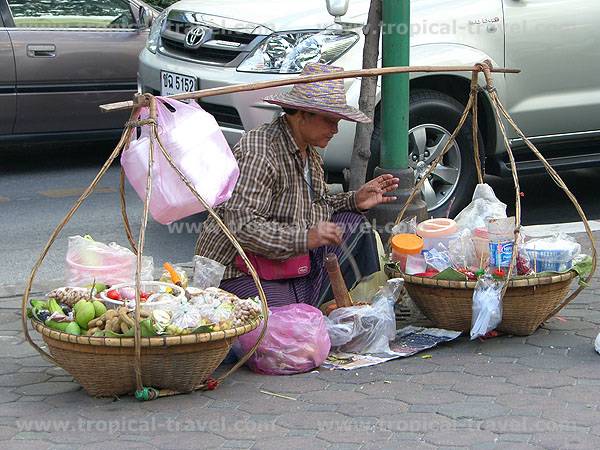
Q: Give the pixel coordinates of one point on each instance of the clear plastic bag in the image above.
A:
(296, 341)
(88, 260)
(438, 258)
(407, 226)
(484, 205)
(366, 329)
(207, 273)
(462, 251)
(487, 306)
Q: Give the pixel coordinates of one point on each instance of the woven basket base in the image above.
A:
(524, 308)
(108, 371)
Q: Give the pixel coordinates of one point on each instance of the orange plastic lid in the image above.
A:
(436, 227)
(409, 244)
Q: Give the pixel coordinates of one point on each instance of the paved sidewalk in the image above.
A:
(515, 393)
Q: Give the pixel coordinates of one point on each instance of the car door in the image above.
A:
(7, 78)
(556, 43)
(72, 56)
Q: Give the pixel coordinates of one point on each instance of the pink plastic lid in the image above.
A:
(433, 228)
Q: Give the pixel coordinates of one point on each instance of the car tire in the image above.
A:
(435, 112)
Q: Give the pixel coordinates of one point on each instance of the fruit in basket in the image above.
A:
(99, 308)
(69, 295)
(84, 313)
(113, 294)
(73, 328)
(54, 307)
(55, 325)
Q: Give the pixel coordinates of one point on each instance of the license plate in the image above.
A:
(174, 83)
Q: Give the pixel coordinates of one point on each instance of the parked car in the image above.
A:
(59, 60)
(198, 44)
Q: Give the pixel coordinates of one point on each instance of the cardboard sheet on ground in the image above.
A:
(409, 341)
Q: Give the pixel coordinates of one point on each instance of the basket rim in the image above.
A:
(154, 341)
(521, 282)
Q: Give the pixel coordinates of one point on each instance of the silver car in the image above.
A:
(198, 44)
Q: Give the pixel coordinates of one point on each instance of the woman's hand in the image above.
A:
(325, 233)
(373, 193)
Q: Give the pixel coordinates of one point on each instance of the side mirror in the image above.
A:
(145, 16)
(337, 8)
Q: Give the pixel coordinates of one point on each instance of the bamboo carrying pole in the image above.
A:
(119, 106)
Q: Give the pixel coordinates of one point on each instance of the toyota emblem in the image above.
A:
(195, 36)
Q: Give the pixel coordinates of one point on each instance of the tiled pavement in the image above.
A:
(515, 393)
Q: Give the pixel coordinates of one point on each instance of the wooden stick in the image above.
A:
(305, 79)
(338, 285)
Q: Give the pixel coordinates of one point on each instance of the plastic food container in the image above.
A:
(404, 246)
(481, 242)
(551, 256)
(147, 286)
(437, 231)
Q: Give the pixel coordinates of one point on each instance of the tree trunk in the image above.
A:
(366, 103)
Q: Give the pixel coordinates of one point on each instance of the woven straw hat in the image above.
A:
(322, 97)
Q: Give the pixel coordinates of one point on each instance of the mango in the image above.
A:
(84, 312)
(99, 308)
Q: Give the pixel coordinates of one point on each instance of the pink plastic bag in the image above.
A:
(198, 147)
(296, 341)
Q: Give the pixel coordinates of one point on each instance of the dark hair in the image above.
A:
(289, 111)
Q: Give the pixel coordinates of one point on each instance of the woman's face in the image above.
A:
(318, 129)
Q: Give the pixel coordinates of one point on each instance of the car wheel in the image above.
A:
(433, 118)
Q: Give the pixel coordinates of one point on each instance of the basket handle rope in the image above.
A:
(499, 113)
(125, 137)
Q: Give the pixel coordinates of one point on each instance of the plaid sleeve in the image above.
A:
(246, 213)
(344, 201)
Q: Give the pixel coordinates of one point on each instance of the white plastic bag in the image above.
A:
(484, 205)
(366, 329)
(487, 306)
(197, 145)
(88, 260)
(597, 343)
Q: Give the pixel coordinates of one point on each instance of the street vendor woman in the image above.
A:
(280, 210)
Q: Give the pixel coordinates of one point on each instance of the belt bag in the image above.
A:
(270, 269)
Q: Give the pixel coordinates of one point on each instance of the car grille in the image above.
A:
(225, 46)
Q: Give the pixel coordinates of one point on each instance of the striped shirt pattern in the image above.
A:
(270, 210)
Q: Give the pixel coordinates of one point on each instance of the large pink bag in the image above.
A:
(194, 140)
(296, 341)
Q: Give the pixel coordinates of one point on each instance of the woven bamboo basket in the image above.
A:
(149, 367)
(526, 302)
(105, 366)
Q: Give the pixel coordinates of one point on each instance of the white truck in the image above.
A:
(198, 44)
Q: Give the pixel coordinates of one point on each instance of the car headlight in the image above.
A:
(289, 52)
(154, 34)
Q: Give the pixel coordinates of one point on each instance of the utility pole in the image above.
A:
(395, 94)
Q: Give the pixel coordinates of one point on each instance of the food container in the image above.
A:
(178, 294)
(481, 242)
(437, 231)
(551, 255)
(404, 246)
(501, 236)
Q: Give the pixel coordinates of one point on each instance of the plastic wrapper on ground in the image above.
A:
(366, 329)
